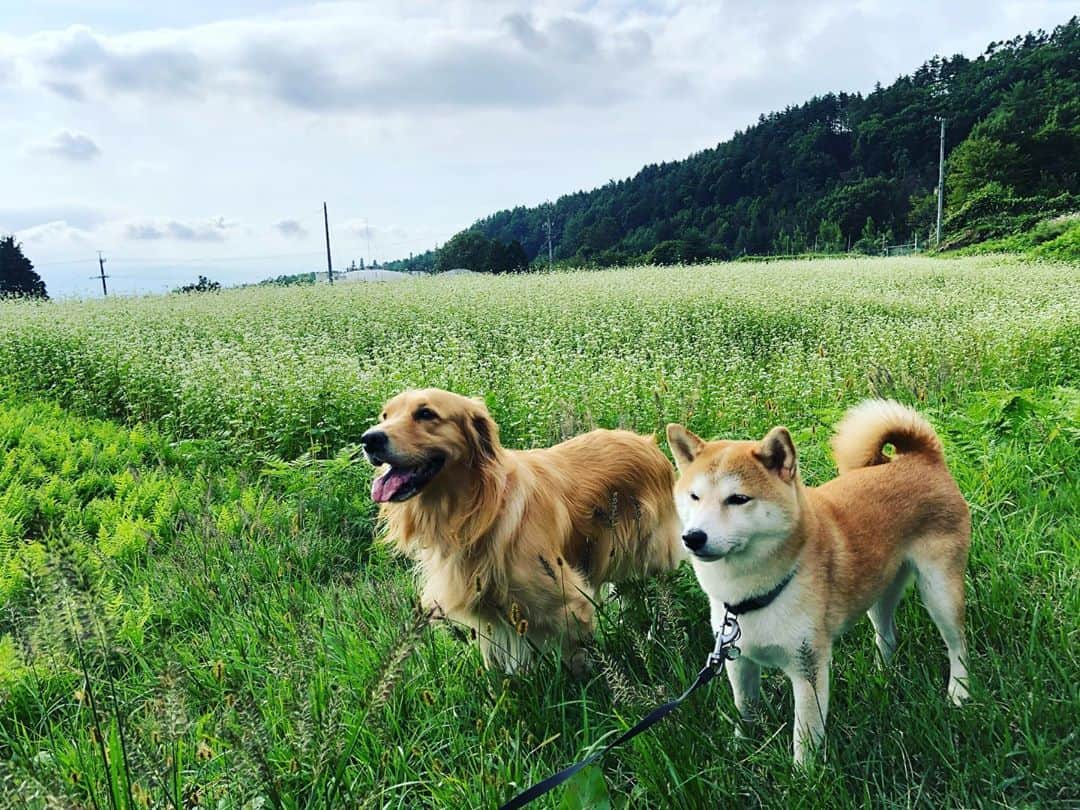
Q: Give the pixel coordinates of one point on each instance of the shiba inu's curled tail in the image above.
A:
(870, 425)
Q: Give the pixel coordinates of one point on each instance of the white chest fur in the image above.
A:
(780, 635)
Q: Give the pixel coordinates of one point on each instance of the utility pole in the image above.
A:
(101, 267)
(329, 266)
(940, 181)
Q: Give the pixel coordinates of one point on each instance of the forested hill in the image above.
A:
(844, 168)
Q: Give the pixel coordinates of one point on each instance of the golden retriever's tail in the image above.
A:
(870, 425)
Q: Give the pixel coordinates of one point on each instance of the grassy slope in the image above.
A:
(1057, 239)
(275, 658)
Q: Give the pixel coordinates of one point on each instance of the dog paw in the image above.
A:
(958, 692)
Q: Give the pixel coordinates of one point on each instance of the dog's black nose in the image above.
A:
(695, 540)
(374, 441)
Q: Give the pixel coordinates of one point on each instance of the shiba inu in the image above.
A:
(515, 543)
(797, 564)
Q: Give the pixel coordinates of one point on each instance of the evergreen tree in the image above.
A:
(17, 276)
(869, 241)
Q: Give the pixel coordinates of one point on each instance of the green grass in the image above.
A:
(1056, 239)
(243, 643)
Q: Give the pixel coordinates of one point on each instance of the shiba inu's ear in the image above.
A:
(684, 445)
(777, 453)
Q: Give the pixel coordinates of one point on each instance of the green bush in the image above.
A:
(1059, 241)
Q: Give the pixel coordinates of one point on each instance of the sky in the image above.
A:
(203, 137)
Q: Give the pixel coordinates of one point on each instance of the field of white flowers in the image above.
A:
(281, 370)
(193, 613)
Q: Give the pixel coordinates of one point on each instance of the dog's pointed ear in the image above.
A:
(777, 453)
(685, 446)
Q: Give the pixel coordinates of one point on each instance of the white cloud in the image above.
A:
(74, 146)
(56, 232)
(79, 216)
(341, 60)
(213, 230)
(291, 229)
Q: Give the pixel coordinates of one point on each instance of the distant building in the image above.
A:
(345, 277)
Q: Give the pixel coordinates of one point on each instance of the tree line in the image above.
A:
(841, 171)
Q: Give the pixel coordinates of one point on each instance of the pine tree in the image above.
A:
(17, 276)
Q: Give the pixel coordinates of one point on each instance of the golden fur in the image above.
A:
(854, 544)
(513, 543)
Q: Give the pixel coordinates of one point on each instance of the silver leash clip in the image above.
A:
(725, 649)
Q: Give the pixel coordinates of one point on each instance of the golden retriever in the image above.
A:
(516, 543)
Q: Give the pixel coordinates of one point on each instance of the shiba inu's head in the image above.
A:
(737, 500)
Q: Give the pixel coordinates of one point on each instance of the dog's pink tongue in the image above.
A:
(387, 485)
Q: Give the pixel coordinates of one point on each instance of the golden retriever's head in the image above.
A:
(425, 436)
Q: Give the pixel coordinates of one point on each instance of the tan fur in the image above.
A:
(855, 543)
(515, 544)
(867, 427)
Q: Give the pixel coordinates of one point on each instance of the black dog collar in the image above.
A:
(762, 600)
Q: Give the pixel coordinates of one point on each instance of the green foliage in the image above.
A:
(471, 250)
(242, 644)
(870, 242)
(17, 276)
(829, 238)
(1064, 246)
(1013, 119)
(922, 215)
(420, 263)
(202, 285)
(587, 790)
(994, 211)
(289, 280)
(667, 252)
(1056, 238)
(980, 160)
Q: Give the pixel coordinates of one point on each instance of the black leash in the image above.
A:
(724, 650)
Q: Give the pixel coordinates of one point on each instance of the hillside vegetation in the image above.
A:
(843, 171)
(193, 612)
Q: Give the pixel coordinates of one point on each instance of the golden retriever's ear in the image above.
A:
(482, 434)
(685, 446)
(777, 453)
